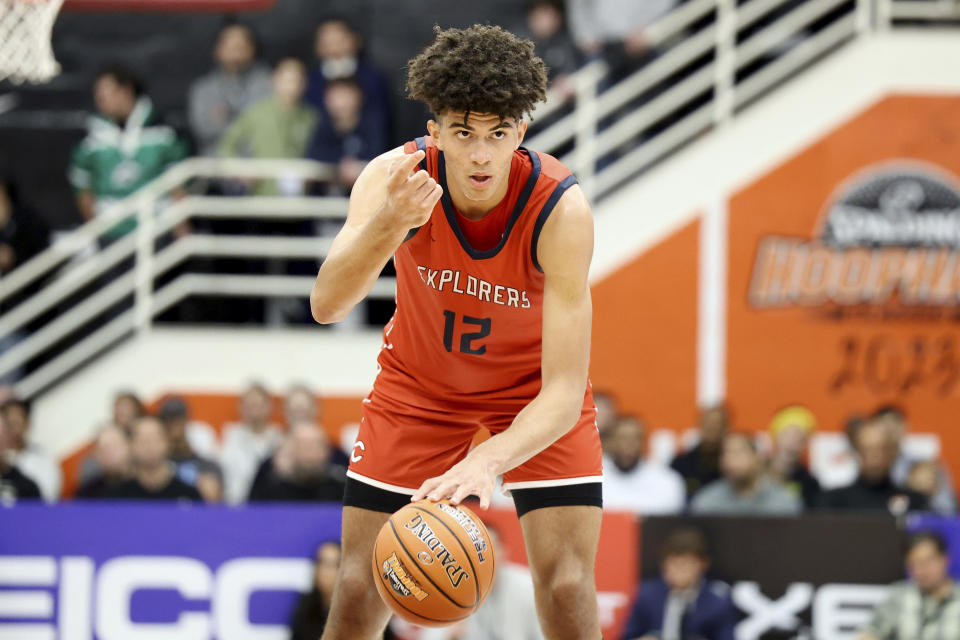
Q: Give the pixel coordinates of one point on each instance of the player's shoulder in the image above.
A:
(552, 168)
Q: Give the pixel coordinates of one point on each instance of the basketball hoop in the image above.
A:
(26, 54)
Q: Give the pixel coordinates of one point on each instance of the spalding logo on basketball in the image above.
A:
(433, 563)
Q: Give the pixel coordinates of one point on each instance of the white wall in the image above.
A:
(628, 222)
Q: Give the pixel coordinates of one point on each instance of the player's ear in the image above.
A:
(521, 131)
(433, 128)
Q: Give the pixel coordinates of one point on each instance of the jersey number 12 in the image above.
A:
(466, 339)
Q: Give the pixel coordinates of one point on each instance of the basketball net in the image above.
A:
(25, 31)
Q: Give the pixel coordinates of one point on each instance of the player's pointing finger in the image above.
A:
(401, 167)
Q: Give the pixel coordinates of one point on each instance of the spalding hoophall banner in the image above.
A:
(844, 277)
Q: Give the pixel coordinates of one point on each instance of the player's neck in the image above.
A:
(477, 209)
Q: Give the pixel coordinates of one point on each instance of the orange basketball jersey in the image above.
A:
(468, 324)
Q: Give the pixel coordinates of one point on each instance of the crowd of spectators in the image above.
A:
(725, 471)
(729, 472)
(165, 455)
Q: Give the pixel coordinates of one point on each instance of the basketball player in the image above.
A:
(492, 243)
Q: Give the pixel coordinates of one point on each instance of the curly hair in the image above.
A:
(481, 69)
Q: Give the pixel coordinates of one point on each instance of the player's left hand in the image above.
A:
(472, 476)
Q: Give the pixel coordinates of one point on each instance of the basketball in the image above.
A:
(433, 563)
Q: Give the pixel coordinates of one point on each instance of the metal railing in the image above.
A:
(51, 281)
(713, 58)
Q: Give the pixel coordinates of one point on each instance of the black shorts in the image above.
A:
(365, 496)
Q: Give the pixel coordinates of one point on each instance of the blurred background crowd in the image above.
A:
(165, 454)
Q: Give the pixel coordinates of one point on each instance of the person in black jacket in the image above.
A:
(22, 236)
(301, 471)
(154, 476)
(701, 465)
(13, 484)
(310, 616)
(874, 488)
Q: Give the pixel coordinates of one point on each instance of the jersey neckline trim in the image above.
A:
(548, 206)
(518, 208)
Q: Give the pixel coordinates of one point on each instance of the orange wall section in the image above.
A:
(645, 332)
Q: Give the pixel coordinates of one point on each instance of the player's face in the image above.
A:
(477, 151)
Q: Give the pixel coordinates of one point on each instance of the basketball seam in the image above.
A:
(389, 590)
(476, 579)
(425, 575)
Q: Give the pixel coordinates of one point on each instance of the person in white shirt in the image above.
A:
(32, 461)
(300, 405)
(508, 613)
(246, 444)
(631, 483)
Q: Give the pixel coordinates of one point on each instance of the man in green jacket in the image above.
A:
(276, 127)
(127, 145)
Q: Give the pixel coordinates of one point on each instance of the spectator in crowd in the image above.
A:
(111, 452)
(192, 467)
(682, 603)
(927, 607)
(339, 51)
(127, 409)
(607, 413)
(310, 616)
(248, 443)
(616, 30)
(300, 405)
(32, 461)
(174, 412)
(22, 236)
(346, 137)
(745, 488)
(13, 484)
(508, 613)
(127, 146)
(945, 499)
(154, 476)
(311, 476)
(791, 429)
(278, 126)
(874, 488)
(701, 465)
(237, 82)
(546, 27)
(927, 478)
(632, 483)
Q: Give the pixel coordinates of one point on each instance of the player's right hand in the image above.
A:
(411, 195)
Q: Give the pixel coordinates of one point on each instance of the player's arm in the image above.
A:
(564, 252)
(388, 199)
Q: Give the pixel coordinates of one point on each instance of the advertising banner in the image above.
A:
(844, 274)
(156, 571)
(125, 571)
(814, 578)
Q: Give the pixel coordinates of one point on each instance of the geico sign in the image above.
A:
(838, 610)
(100, 600)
